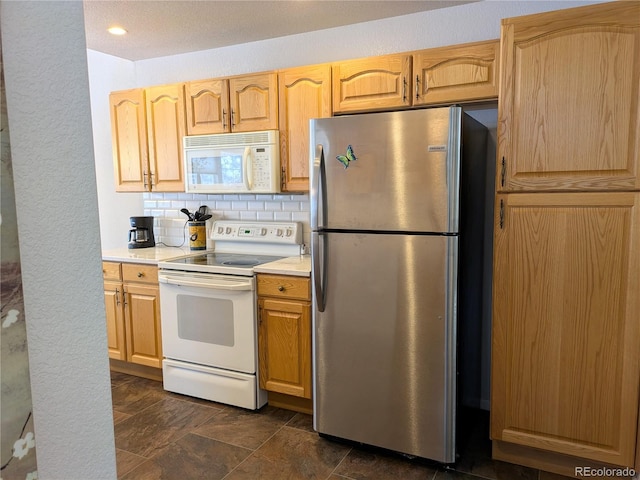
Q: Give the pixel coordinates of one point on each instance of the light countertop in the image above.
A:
(151, 255)
(299, 265)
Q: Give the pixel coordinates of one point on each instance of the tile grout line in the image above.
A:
(155, 452)
(145, 459)
(341, 476)
(253, 452)
(340, 463)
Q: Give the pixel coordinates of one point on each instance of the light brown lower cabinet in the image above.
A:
(284, 337)
(114, 304)
(566, 330)
(132, 301)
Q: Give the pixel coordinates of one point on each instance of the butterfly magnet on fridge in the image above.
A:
(348, 158)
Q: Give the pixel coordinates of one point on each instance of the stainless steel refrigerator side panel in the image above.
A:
(384, 347)
(403, 175)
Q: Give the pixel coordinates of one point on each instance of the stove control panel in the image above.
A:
(257, 232)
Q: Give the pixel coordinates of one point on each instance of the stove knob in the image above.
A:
(279, 232)
(220, 230)
(228, 231)
(289, 232)
(263, 231)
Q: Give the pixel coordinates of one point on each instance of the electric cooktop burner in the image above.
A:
(226, 259)
(242, 263)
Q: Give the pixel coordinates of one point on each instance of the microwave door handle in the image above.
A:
(247, 170)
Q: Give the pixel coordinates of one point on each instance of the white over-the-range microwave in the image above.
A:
(247, 162)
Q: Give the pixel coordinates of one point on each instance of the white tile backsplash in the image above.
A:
(170, 223)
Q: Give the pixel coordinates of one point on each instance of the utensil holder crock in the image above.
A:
(197, 236)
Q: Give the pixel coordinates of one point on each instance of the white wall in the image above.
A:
(465, 23)
(54, 175)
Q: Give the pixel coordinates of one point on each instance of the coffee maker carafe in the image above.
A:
(141, 233)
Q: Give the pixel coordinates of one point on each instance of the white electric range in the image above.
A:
(209, 313)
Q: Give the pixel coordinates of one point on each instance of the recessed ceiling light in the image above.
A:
(116, 30)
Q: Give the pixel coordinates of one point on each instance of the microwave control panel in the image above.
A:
(262, 169)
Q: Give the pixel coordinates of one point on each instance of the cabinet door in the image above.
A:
(569, 102)
(254, 102)
(142, 321)
(456, 74)
(284, 346)
(207, 103)
(566, 329)
(113, 299)
(129, 141)
(304, 93)
(165, 129)
(377, 83)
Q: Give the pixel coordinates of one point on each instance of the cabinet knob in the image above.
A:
(280, 288)
(140, 274)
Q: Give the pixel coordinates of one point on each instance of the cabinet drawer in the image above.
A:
(136, 272)
(284, 286)
(111, 271)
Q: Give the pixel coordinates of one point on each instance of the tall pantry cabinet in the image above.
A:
(566, 306)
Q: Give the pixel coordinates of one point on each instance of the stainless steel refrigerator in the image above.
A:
(387, 203)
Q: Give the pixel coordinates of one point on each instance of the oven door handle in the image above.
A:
(204, 281)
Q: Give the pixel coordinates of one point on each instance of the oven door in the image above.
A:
(209, 319)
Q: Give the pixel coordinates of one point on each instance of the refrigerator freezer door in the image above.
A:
(384, 355)
(394, 171)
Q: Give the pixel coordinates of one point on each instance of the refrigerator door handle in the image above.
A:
(318, 190)
(319, 269)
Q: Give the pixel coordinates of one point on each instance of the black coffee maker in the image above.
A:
(141, 233)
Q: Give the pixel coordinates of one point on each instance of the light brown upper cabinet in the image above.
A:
(254, 102)
(376, 83)
(147, 126)
(570, 100)
(304, 93)
(207, 103)
(237, 104)
(129, 140)
(165, 129)
(461, 73)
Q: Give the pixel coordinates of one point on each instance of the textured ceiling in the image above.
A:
(160, 28)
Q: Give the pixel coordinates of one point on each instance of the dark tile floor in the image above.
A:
(164, 436)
